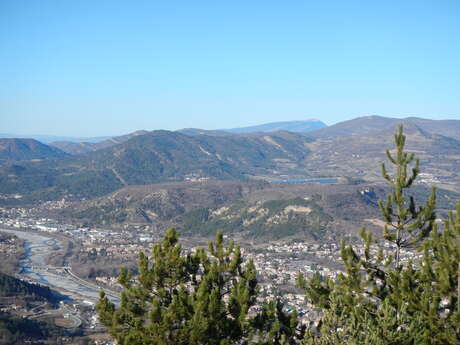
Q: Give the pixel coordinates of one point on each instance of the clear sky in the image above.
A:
(91, 68)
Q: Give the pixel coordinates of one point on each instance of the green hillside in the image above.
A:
(155, 157)
(272, 219)
(13, 287)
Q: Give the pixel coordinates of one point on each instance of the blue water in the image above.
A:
(309, 180)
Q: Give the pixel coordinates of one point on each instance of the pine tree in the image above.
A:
(378, 299)
(275, 326)
(437, 297)
(406, 225)
(196, 298)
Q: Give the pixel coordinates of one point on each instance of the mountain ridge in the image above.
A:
(305, 126)
(22, 149)
(84, 147)
(158, 156)
(375, 123)
(167, 156)
(74, 147)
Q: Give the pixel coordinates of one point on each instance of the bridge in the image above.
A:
(48, 268)
(67, 272)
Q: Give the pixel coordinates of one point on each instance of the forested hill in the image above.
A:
(26, 149)
(13, 287)
(19, 331)
(165, 156)
(74, 147)
(158, 156)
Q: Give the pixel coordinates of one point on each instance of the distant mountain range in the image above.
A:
(315, 129)
(158, 156)
(82, 145)
(351, 149)
(74, 147)
(290, 126)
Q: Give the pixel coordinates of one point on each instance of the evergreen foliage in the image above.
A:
(11, 286)
(405, 223)
(379, 299)
(268, 220)
(275, 326)
(18, 331)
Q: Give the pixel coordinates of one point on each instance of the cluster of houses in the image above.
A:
(278, 264)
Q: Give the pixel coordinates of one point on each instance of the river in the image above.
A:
(33, 267)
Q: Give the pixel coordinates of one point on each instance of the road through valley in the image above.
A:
(33, 267)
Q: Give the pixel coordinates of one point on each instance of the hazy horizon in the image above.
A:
(103, 136)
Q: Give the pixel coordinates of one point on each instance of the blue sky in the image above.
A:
(90, 68)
